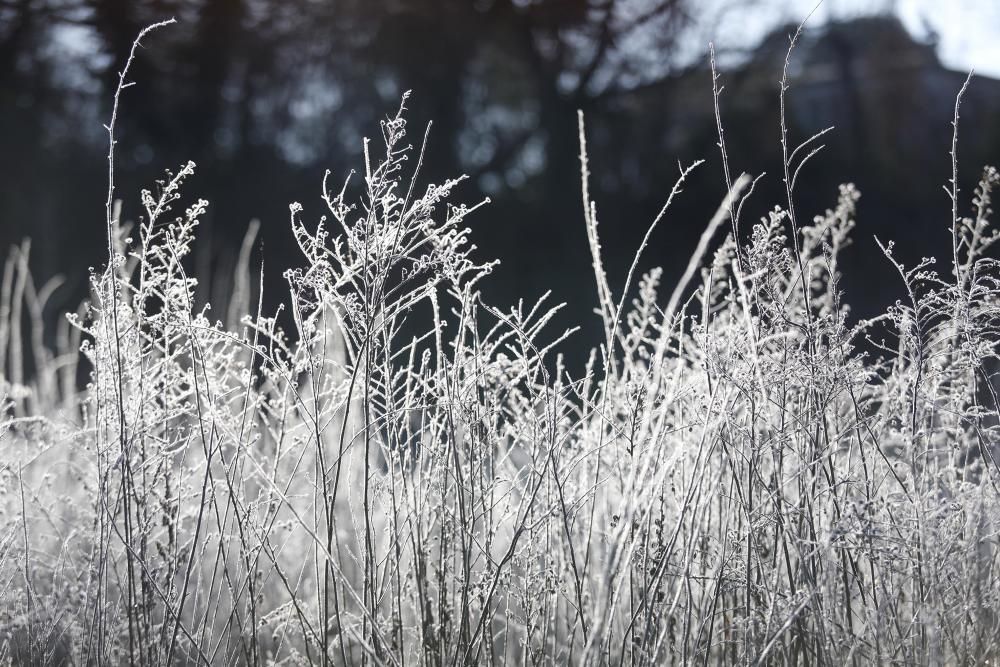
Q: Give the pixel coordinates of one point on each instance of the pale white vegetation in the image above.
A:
(409, 475)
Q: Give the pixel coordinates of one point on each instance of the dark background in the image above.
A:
(264, 95)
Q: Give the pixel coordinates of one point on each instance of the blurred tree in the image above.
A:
(258, 92)
(265, 94)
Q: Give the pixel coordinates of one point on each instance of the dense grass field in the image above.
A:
(407, 474)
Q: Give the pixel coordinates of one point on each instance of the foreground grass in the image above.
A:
(730, 480)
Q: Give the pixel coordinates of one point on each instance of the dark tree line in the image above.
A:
(264, 95)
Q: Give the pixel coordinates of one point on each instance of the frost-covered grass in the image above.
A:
(732, 479)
